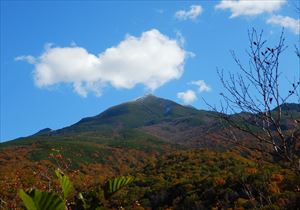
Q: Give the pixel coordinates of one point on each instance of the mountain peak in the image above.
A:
(146, 97)
(145, 110)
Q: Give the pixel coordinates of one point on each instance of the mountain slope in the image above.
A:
(149, 117)
(157, 117)
(144, 111)
(146, 126)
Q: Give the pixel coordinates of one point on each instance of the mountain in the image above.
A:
(147, 110)
(43, 131)
(150, 115)
(161, 142)
(289, 107)
(137, 129)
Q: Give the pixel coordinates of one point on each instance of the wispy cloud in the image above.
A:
(250, 7)
(30, 59)
(187, 97)
(151, 59)
(286, 22)
(202, 86)
(180, 38)
(192, 14)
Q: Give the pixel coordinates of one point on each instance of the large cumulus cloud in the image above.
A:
(151, 59)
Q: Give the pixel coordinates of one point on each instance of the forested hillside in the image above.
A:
(175, 153)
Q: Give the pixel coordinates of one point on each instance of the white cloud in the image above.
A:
(202, 86)
(286, 22)
(193, 13)
(28, 58)
(180, 38)
(188, 97)
(151, 59)
(250, 7)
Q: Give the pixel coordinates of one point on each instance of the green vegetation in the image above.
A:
(35, 199)
(38, 200)
(145, 111)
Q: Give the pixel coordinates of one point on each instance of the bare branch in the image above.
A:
(254, 100)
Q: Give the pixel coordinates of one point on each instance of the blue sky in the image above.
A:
(62, 61)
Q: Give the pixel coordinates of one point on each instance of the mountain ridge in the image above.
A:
(143, 111)
(159, 117)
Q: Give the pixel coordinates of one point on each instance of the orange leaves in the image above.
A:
(251, 170)
(277, 178)
(273, 188)
(219, 181)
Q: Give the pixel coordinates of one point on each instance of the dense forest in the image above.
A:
(181, 179)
